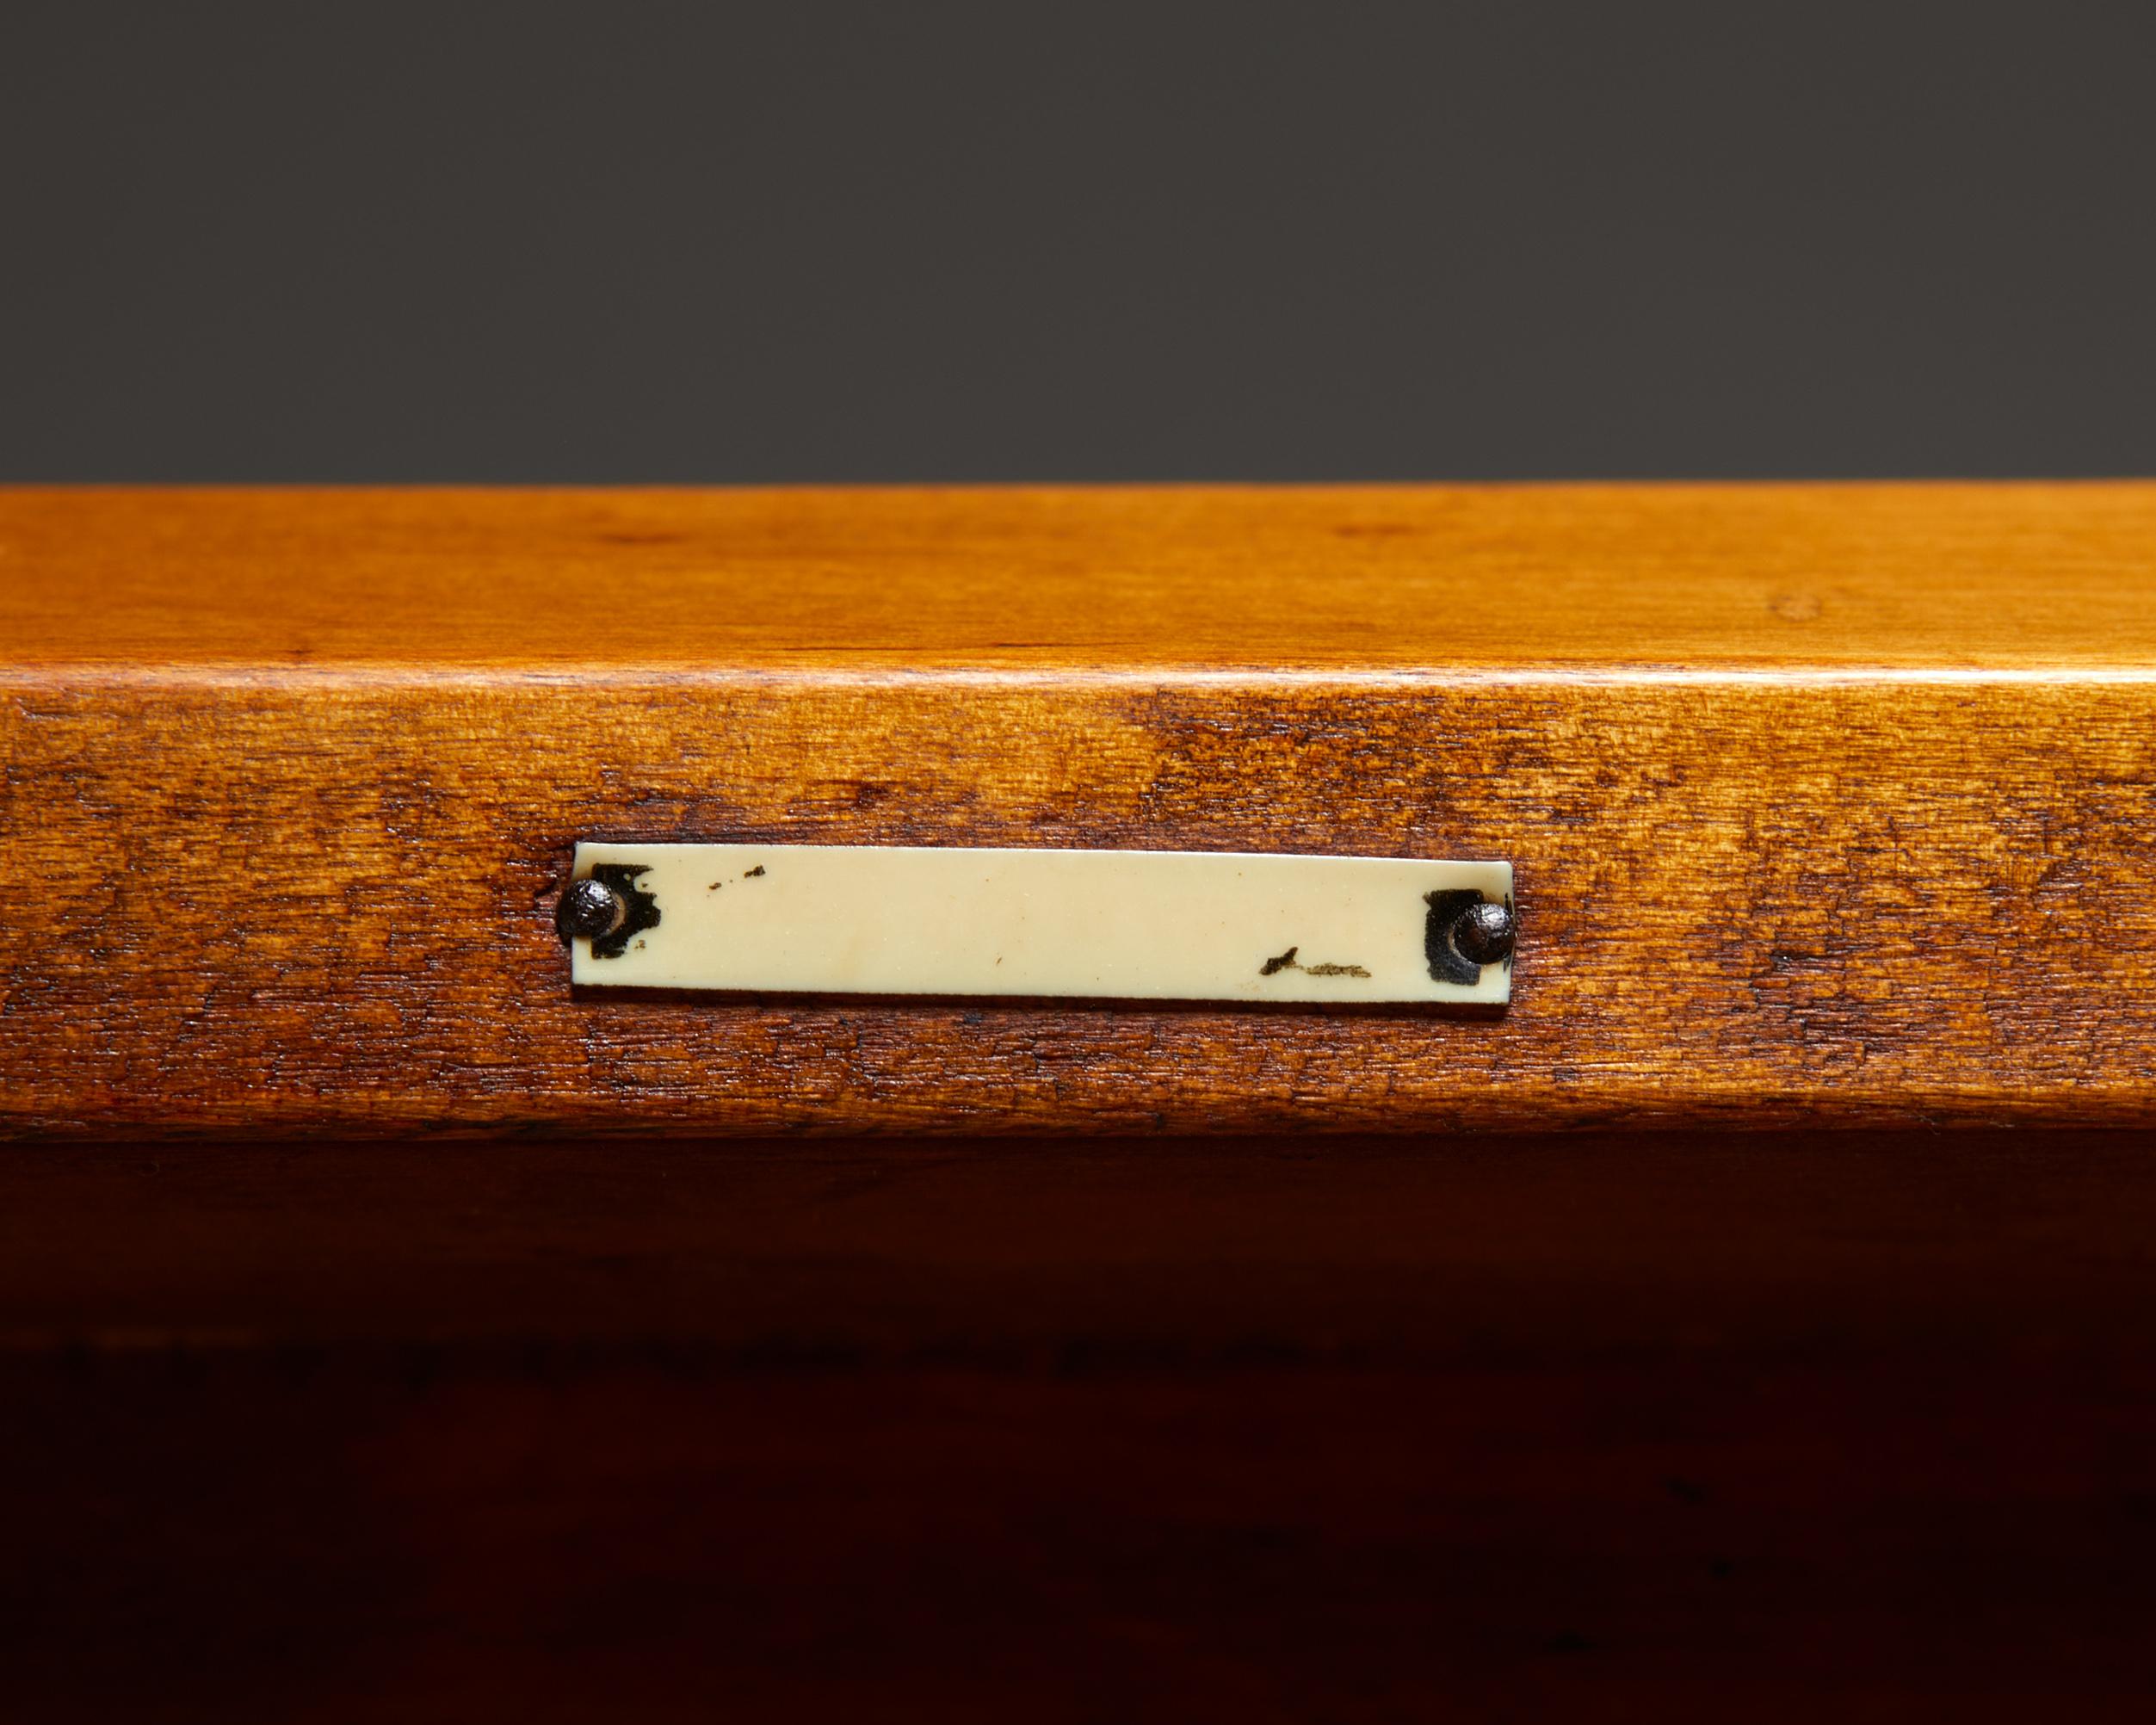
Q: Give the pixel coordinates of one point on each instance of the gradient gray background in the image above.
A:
(805, 242)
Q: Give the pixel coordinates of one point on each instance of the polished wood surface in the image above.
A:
(1898, 874)
(1005, 1381)
(1422, 580)
(261, 907)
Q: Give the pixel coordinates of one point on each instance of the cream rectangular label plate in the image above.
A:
(1118, 924)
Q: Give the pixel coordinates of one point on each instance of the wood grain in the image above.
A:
(1904, 878)
(1829, 804)
(1369, 579)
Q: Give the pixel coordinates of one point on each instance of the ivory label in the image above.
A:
(1113, 924)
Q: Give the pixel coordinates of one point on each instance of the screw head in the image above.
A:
(588, 910)
(1485, 932)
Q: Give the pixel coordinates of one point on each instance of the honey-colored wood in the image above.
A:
(1413, 580)
(1827, 804)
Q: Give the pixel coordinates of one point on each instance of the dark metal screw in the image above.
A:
(589, 908)
(1485, 932)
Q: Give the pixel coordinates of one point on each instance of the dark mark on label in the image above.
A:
(1273, 967)
(753, 873)
(1447, 962)
(642, 912)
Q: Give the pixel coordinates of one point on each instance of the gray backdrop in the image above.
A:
(906, 241)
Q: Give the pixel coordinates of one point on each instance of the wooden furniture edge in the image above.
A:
(309, 901)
